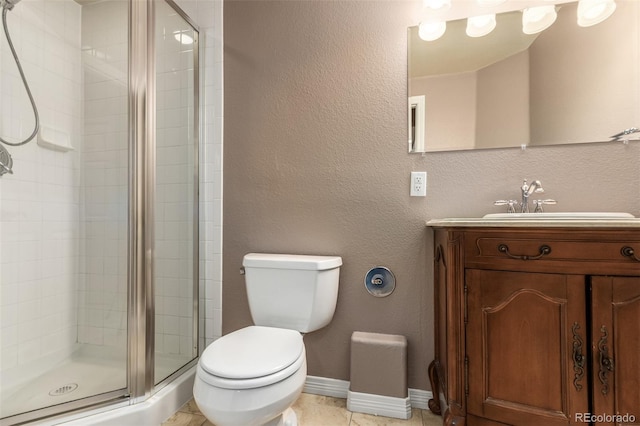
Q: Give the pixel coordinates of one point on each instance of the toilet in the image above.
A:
(252, 376)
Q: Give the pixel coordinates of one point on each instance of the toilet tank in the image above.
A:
(297, 292)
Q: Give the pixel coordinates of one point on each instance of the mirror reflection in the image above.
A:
(566, 84)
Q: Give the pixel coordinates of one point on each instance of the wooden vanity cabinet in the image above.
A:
(536, 326)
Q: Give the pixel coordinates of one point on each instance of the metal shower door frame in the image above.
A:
(142, 162)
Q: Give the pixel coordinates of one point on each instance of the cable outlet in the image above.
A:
(418, 184)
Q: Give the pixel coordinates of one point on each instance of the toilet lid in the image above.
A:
(252, 352)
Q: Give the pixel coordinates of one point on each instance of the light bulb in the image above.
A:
(429, 31)
(592, 12)
(439, 5)
(478, 26)
(536, 19)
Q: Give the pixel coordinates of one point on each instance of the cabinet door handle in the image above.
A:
(542, 251)
(578, 357)
(606, 363)
(627, 251)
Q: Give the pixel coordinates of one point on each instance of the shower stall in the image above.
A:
(99, 235)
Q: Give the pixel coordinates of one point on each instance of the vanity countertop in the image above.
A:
(479, 222)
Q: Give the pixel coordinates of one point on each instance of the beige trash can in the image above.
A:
(379, 375)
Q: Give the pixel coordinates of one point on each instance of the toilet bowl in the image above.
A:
(252, 376)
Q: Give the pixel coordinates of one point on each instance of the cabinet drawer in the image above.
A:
(487, 249)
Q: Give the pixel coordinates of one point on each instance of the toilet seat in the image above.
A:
(252, 357)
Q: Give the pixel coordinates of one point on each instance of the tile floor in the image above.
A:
(317, 410)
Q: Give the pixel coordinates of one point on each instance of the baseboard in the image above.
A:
(420, 398)
(326, 386)
(379, 405)
(340, 388)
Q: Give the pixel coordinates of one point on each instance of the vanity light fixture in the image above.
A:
(592, 12)
(438, 5)
(534, 19)
(430, 31)
(479, 26)
(539, 18)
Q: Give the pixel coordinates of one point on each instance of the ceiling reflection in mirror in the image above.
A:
(564, 85)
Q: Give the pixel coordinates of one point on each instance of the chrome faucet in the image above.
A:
(527, 190)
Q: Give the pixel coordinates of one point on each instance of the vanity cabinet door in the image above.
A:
(616, 347)
(521, 331)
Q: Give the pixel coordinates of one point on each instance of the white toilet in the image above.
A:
(253, 375)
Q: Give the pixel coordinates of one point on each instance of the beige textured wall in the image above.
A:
(315, 162)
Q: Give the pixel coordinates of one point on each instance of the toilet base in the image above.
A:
(288, 418)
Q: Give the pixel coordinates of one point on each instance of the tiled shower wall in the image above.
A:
(40, 203)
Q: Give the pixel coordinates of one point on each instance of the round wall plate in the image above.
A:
(380, 281)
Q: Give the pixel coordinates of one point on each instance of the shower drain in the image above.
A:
(63, 390)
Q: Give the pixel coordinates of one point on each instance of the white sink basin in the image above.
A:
(560, 216)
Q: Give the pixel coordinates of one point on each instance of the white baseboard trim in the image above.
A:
(326, 386)
(420, 398)
(379, 405)
(340, 388)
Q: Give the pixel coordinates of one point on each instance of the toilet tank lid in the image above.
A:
(291, 261)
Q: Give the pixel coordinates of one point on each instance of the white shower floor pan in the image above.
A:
(89, 371)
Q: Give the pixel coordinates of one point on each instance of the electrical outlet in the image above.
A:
(418, 184)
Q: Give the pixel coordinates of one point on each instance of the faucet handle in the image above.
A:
(540, 203)
(511, 205)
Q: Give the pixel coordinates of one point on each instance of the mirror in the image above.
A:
(567, 84)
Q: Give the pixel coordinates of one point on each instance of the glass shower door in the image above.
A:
(176, 198)
(63, 211)
(86, 315)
